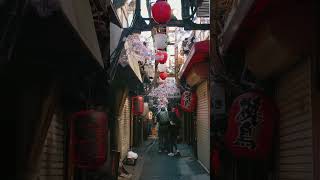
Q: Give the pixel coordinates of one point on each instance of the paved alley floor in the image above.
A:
(160, 166)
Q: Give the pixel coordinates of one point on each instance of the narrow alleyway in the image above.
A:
(160, 166)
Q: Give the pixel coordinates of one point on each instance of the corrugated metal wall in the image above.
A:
(124, 129)
(52, 158)
(203, 136)
(295, 126)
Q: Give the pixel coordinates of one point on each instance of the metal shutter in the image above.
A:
(295, 126)
(52, 157)
(203, 136)
(124, 129)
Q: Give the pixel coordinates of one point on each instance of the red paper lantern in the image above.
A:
(137, 105)
(161, 12)
(164, 55)
(251, 125)
(176, 110)
(88, 136)
(215, 162)
(163, 75)
(188, 101)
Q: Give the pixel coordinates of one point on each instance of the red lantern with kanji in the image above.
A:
(163, 75)
(161, 12)
(137, 105)
(188, 101)
(162, 56)
(88, 139)
(251, 125)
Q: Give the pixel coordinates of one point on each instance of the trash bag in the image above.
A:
(132, 155)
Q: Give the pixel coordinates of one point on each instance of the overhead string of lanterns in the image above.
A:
(161, 14)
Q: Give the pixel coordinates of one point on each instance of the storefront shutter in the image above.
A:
(124, 129)
(203, 136)
(295, 126)
(52, 157)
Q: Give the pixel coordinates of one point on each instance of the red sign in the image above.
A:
(251, 125)
(88, 139)
(188, 101)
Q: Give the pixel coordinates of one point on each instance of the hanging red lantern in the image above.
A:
(215, 162)
(137, 105)
(88, 136)
(177, 112)
(250, 126)
(188, 101)
(162, 56)
(163, 75)
(161, 12)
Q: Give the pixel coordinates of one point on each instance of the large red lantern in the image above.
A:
(163, 56)
(137, 105)
(250, 126)
(88, 139)
(161, 12)
(163, 75)
(188, 101)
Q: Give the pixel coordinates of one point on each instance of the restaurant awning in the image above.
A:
(133, 63)
(79, 15)
(199, 53)
(114, 18)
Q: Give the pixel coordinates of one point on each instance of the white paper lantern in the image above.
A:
(162, 67)
(145, 109)
(160, 41)
(150, 114)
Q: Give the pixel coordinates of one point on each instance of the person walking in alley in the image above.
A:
(163, 125)
(173, 132)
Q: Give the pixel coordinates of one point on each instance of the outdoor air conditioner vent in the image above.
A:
(204, 9)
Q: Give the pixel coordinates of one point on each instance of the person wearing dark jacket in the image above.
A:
(173, 133)
(163, 124)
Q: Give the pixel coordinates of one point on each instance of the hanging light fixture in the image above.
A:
(137, 105)
(163, 75)
(162, 67)
(161, 12)
(160, 41)
(161, 57)
(145, 108)
(188, 101)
